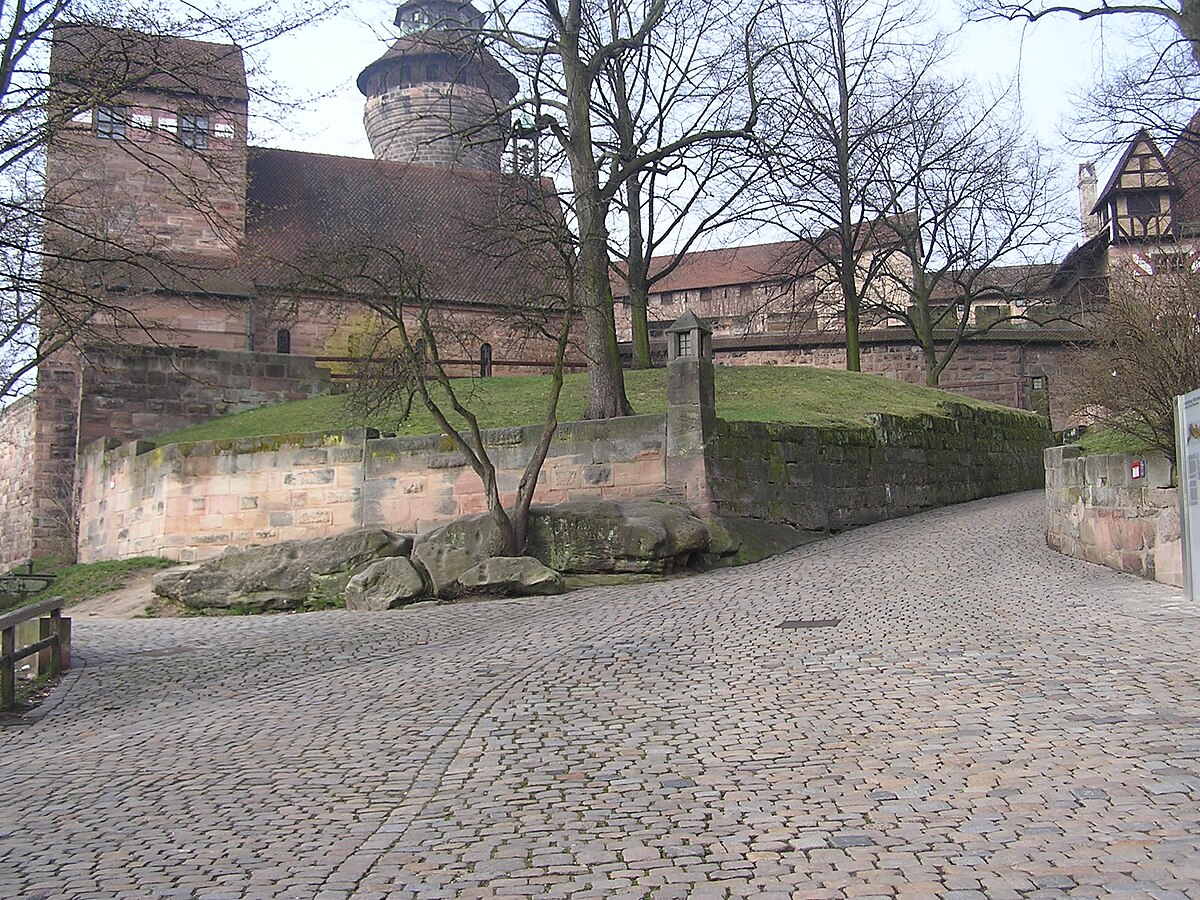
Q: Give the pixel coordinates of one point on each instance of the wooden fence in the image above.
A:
(53, 645)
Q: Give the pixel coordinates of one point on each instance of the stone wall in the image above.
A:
(18, 422)
(1097, 511)
(135, 392)
(190, 501)
(829, 479)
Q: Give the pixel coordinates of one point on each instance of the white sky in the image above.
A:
(1054, 61)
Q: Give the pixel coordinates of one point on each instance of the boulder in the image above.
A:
(737, 541)
(589, 536)
(615, 536)
(279, 576)
(442, 565)
(384, 584)
(514, 576)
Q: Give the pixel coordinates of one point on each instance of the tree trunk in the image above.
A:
(636, 265)
(606, 379)
(850, 301)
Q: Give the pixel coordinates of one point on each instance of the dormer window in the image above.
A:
(194, 130)
(112, 122)
(1143, 205)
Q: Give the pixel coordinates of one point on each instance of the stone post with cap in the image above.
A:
(691, 410)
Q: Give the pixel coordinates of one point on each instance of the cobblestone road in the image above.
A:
(989, 719)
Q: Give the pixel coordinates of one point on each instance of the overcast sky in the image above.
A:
(1054, 61)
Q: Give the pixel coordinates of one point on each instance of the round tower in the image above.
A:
(434, 97)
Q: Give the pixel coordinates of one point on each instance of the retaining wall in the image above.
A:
(829, 479)
(1096, 510)
(189, 501)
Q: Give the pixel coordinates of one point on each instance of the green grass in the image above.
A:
(83, 581)
(1109, 440)
(788, 394)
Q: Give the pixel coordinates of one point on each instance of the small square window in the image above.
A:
(1039, 382)
(112, 122)
(193, 130)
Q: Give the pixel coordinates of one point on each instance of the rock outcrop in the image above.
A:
(281, 576)
(582, 537)
(512, 576)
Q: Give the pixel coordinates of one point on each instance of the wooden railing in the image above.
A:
(53, 645)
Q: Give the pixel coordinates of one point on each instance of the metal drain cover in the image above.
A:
(809, 623)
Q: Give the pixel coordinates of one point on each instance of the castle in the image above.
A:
(201, 249)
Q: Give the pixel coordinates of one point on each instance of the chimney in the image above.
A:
(1087, 200)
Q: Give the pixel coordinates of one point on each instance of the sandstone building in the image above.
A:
(238, 270)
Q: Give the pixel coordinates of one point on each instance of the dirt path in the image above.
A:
(127, 602)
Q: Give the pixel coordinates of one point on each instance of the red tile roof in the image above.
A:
(477, 236)
(749, 264)
(752, 264)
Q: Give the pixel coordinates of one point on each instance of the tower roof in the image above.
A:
(461, 45)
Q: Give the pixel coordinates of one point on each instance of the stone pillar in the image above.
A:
(691, 411)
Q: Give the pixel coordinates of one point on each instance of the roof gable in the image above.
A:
(1141, 167)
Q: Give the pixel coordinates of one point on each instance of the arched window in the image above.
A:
(283, 341)
(485, 361)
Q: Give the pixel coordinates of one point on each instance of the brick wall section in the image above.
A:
(1096, 511)
(190, 501)
(828, 479)
(54, 522)
(165, 196)
(18, 422)
(131, 393)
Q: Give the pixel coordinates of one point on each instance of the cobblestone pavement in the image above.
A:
(989, 719)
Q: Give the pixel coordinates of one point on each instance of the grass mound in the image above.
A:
(787, 394)
(83, 581)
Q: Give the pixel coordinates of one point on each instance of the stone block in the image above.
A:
(310, 477)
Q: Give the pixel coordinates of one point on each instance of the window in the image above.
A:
(283, 341)
(485, 361)
(683, 343)
(193, 130)
(111, 122)
(1142, 204)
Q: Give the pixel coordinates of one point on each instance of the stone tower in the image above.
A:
(154, 155)
(433, 97)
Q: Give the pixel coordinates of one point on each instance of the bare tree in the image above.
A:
(417, 335)
(1183, 16)
(695, 77)
(972, 205)
(61, 250)
(843, 76)
(560, 51)
(1144, 350)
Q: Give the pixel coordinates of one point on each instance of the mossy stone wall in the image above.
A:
(832, 478)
